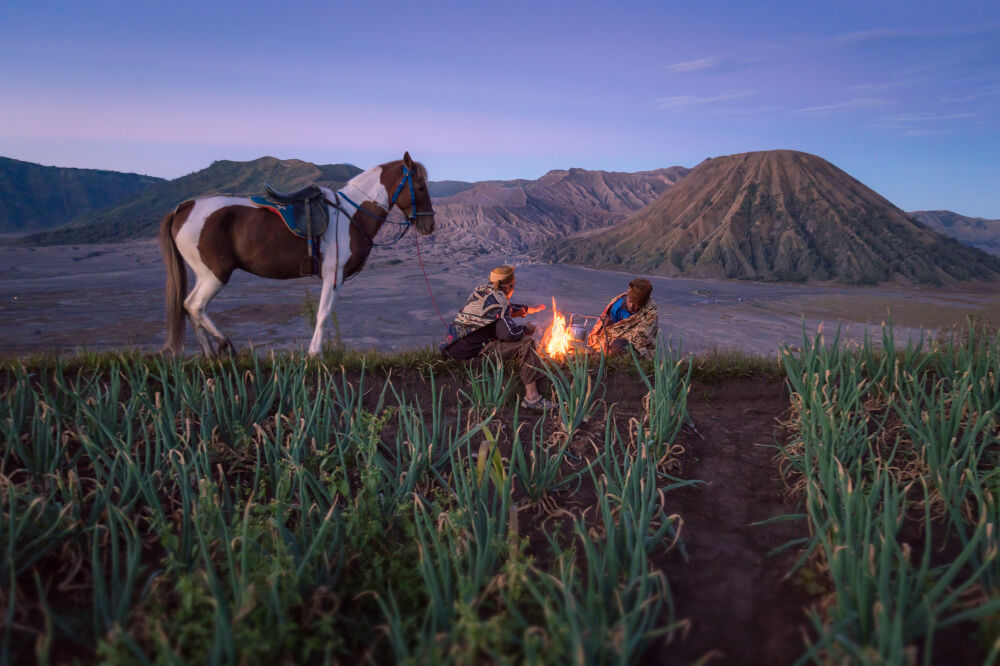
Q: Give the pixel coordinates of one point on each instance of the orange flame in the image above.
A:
(557, 338)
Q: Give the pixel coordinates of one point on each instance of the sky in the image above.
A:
(904, 96)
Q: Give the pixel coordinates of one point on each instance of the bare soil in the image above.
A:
(739, 607)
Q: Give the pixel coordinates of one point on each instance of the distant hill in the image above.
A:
(445, 188)
(140, 216)
(37, 197)
(975, 231)
(516, 215)
(776, 215)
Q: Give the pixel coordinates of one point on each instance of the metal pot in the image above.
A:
(578, 332)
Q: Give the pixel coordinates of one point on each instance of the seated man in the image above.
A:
(629, 320)
(485, 325)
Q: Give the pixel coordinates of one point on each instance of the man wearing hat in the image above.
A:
(485, 325)
(629, 320)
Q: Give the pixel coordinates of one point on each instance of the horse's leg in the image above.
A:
(223, 341)
(333, 275)
(204, 290)
(327, 299)
(192, 314)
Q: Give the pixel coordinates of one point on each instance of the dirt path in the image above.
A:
(740, 610)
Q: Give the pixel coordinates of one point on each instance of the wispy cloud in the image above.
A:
(861, 36)
(687, 102)
(983, 93)
(846, 106)
(930, 117)
(869, 88)
(695, 65)
(715, 64)
(926, 124)
(750, 111)
(884, 34)
(924, 132)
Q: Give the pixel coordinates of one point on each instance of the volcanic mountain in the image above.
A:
(776, 215)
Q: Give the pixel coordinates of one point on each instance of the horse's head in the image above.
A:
(406, 183)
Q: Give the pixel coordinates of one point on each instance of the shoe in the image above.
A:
(539, 404)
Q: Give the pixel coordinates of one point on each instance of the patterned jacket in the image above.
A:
(639, 329)
(486, 307)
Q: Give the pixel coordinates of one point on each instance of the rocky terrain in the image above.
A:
(975, 231)
(512, 216)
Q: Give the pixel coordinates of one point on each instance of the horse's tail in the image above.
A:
(176, 285)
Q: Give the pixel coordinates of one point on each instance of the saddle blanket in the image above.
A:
(294, 215)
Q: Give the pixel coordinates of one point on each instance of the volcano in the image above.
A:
(777, 215)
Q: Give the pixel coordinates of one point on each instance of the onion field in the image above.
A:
(371, 510)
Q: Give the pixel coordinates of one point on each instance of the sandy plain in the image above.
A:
(101, 297)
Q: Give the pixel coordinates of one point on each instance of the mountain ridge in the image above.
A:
(139, 217)
(513, 216)
(978, 232)
(477, 217)
(38, 197)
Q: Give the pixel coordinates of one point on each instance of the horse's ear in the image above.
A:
(407, 160)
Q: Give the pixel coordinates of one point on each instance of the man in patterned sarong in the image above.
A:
(629, 320)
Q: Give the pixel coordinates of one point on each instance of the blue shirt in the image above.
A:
(617, 311)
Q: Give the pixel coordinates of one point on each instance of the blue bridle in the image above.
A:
(411, 219)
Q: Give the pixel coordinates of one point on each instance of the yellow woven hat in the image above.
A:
(502, 274)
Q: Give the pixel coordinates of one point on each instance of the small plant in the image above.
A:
(577, 391)
(309, 309)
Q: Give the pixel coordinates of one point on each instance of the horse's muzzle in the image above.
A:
(425, 224)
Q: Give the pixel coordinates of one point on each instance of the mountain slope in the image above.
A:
(776, 215)
(37, 197)
(975, 231)
(518, 214)
(140, 216)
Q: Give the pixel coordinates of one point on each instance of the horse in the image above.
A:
(216, 235)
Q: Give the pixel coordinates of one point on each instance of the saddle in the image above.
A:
(304, 212)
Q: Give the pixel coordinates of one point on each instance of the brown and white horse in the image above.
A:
(216, 235)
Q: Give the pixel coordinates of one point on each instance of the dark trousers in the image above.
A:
(523, 352)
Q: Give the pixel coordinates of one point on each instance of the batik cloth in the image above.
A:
(639, 330)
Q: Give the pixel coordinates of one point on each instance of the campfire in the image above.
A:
(557, 341)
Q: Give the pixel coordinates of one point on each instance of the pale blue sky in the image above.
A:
(905, 96)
